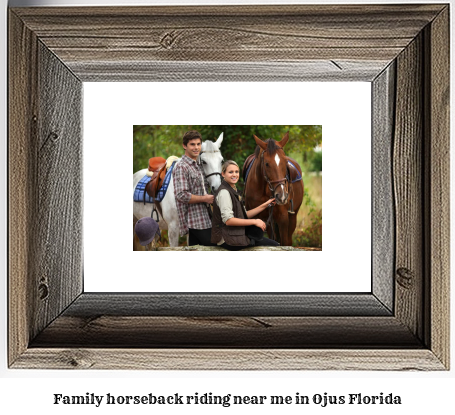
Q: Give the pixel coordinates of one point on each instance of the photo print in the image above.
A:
(228, 187)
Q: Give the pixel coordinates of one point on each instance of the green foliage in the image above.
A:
(308, 201)
(164, 240)
(315, 161)
(155, 140)
(311, 235)
(166, 140)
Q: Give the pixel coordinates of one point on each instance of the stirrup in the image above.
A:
(155, 211)
(291, 211)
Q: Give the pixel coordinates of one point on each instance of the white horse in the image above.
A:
(211, 160)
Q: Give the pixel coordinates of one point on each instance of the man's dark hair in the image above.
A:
(191, 135)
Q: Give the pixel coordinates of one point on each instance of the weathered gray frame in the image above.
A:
(403, 50)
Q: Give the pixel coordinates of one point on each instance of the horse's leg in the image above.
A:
(292, 225)
(283, 226)
(280, 217)
(273, 233)
(277, 233)
(169, 209)
(173, 233)
(298, 199)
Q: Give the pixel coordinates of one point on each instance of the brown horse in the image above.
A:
(272, 174)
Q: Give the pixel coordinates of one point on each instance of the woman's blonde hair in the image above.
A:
(226, 164)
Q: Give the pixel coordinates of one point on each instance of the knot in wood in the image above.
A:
(168, 40)
(53, 136)
(76, 359)
(405, 278)
(43, 291)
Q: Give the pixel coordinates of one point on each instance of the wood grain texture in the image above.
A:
(438, 198)
(45, 164)
(60, 47)
(156, 71)
(408, 188)
(383, 215)
(57, 220)
(92, 305)
(22, 94)
(234, 359)
(334, 39)
(255, 332)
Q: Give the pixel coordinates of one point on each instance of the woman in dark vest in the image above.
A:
(230, 218)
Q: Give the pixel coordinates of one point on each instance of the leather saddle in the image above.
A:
(157, 171)
(294, 173)
(246, 165)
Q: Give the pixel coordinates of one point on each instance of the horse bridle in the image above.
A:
(200, 162)
(269, 182)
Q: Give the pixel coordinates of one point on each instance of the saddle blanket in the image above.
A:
(299, 176)
(140, 193)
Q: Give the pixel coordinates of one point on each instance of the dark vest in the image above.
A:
(233, 235)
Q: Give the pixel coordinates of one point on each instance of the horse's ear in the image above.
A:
(284, 140)
(219, 141)
(260, 143)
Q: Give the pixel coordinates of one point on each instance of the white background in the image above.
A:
(31, 391)
(344, 111)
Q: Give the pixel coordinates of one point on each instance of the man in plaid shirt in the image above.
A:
(190, 188)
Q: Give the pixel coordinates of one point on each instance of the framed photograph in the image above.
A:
(400, 322)
(336, 106)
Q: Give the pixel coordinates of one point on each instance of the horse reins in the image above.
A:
(200, 162)
(285, 180)
(272, 189)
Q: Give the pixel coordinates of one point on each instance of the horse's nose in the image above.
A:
(281, 196)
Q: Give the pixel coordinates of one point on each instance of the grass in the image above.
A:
(313, 186)
(308, 232)
(309, 218)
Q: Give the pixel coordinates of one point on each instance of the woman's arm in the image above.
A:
(246, 222)
(224, 202)
(253, 212)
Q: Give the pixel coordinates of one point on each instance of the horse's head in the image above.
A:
(274, 167)
(211, 160)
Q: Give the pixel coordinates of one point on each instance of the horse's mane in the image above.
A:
(272, 147)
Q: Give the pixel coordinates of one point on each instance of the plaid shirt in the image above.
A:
(187, 176)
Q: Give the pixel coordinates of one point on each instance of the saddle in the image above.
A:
(157, 171)
(246, 166)
(294, 174)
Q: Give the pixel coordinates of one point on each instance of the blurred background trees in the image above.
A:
(304, 145)
(166, 140)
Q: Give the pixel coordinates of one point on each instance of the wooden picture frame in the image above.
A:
(402, 324)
